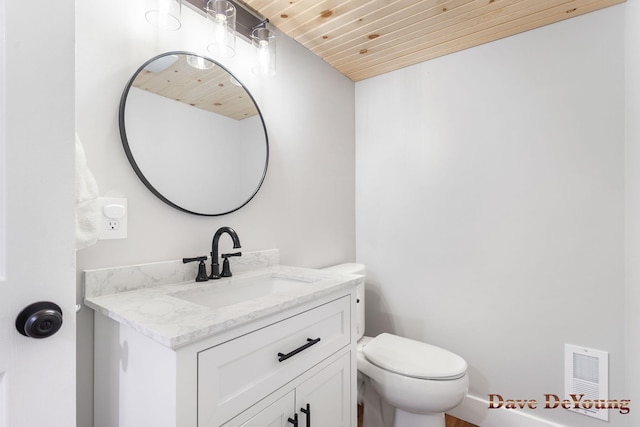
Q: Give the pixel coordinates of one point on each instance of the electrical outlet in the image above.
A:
(113, 224)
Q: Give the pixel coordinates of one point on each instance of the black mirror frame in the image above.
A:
(136, 168)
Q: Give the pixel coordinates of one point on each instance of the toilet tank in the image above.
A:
(355, 268)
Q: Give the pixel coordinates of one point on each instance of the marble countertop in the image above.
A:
(158, 312)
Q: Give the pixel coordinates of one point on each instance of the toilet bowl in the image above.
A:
(419, 380)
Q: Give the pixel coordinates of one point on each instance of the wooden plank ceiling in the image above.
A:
(366, 38)
(212, 89)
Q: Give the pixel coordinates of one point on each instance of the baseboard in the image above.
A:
(476, 411)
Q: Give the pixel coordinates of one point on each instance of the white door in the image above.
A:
(37, 376)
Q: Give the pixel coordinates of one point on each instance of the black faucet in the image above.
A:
(215, 267)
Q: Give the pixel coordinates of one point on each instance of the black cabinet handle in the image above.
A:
(294, 420)
(310, 342)
(307, 412)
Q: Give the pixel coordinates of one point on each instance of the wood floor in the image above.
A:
(454, 422)
(451, 421)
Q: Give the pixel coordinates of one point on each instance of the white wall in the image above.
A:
(632, 296)
(305, 207)
(490, 206)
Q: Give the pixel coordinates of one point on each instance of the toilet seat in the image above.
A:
(407, 357)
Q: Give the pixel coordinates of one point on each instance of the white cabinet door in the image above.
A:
(325, 399)
(275, 415)
(322, 400)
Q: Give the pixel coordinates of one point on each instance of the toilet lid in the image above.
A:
(414, 359)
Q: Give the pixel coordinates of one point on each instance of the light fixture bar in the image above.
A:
(246, 18)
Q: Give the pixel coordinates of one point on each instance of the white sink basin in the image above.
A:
(236, 291)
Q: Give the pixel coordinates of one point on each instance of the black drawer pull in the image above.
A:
(307, 412)
(294, 420)
(310, 342)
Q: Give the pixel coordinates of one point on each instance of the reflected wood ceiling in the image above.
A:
(366, 38)
(211, 90)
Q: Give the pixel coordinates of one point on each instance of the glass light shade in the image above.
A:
(264, 40)
(199, 62)
(164, 14)
(221, 17)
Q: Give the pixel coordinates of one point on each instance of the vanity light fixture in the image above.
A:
(264, 40)
(164, 14)
(221, 21)
(227, 19)
(199, 62)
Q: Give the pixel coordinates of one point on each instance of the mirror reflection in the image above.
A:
(193, 134)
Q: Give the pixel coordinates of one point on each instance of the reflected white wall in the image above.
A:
(190, 155)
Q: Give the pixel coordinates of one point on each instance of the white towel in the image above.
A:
(376, 411)
(87, 210)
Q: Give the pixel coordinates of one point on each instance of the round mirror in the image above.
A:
(194, 134)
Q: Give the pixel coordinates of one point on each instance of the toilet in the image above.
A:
(419, 380)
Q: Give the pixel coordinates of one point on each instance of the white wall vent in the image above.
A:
(586, 377)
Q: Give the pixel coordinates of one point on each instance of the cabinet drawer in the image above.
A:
(236, 374)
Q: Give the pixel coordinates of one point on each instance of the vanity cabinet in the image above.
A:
(320, 399)
(250, 367)
(324, 398)
(257, 374)
(277, 414)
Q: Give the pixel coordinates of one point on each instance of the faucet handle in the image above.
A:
(202, 268)
(232, 254)
(226, 270)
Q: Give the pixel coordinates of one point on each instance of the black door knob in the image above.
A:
(39, 320)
